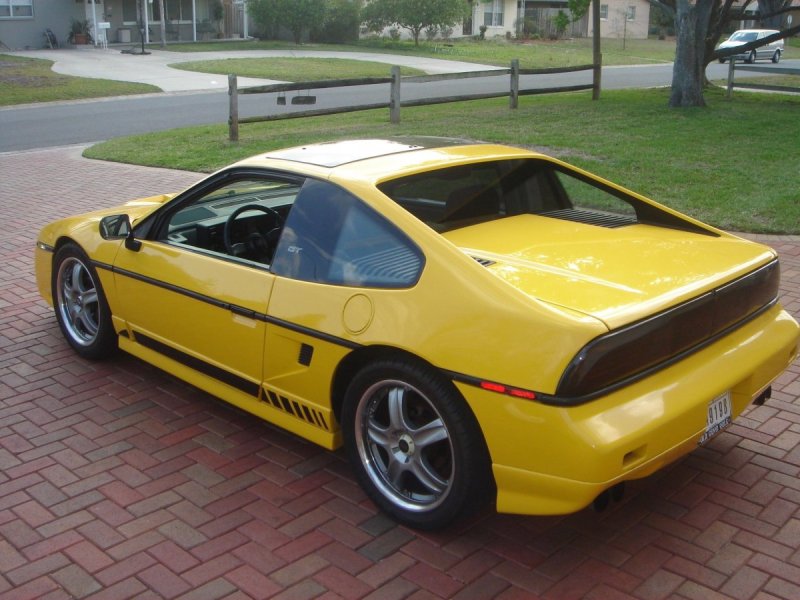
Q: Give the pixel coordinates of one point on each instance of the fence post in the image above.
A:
(729, 90)
(513, 97)
(394, 96)
(597, 74)
(597, 56)
(233, 111)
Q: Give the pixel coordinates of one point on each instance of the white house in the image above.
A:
(524, 18)
(23, 22)
(623, 18)
(536, 17)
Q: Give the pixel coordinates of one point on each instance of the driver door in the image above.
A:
(195, 292)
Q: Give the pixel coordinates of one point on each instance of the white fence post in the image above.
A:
(731, 68)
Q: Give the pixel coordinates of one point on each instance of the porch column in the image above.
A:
(194, 20)
(146, 21)
(94, 23)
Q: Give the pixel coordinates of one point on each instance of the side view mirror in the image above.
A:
(116, 227)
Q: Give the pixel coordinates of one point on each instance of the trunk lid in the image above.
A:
(618, 275)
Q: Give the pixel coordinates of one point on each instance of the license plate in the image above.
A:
(719, 416)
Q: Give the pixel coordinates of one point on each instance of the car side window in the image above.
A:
(241, 218)
(330, 236)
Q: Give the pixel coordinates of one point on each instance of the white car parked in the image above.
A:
(773, 50)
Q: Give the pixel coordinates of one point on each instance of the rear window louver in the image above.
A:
(484, 261)
(591, 217)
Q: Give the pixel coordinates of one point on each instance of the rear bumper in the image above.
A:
(556, 460)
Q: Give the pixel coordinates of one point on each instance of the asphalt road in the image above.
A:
(65, 123)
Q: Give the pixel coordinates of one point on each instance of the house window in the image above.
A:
(130, 14)
(631, 13)
(604, 11)
(493, 14)
(16, 9)
(180, 11)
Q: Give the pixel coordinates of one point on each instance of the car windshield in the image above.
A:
(744, 36)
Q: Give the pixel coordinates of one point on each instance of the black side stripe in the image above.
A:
(168, 286)
(207, 369)
(239, 310)
(240, 383)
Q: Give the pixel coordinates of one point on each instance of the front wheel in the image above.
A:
(80, 304)
(415, 446)
(751, 58)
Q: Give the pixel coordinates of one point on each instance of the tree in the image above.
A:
(298, 16)
(689, 70)
(698, 29)
(415, 15)
(772, 12)
(561, 21)
(340, 23)
(265, 15)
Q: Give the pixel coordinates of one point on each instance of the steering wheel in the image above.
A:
(258, 244)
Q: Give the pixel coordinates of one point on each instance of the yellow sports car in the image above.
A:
(473, 322)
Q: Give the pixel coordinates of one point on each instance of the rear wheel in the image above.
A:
(80, 304)
(415, 446)
(776, 57)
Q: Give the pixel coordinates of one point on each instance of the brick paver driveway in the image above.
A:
(118, 481)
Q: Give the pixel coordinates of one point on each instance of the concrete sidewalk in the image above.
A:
(154, 68)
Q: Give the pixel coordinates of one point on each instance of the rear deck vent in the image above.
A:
(591, 217)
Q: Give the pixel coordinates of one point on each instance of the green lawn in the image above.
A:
(24, 80)
(500, 52)
(730, 164)
(293, 69)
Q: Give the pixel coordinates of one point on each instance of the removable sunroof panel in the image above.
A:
(334, 154)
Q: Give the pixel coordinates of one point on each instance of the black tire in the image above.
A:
(776, 57)
(80, 305)
(751, 58)
(415, 445)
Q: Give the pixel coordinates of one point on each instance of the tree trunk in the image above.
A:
(688, 72)
(767, 8)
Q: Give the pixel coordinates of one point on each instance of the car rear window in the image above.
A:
(455, 197)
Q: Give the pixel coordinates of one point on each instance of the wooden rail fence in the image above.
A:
(732, 69)
(394, 102)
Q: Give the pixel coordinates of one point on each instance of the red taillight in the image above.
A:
(632, 352)
(503, 389)
(493, 387)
